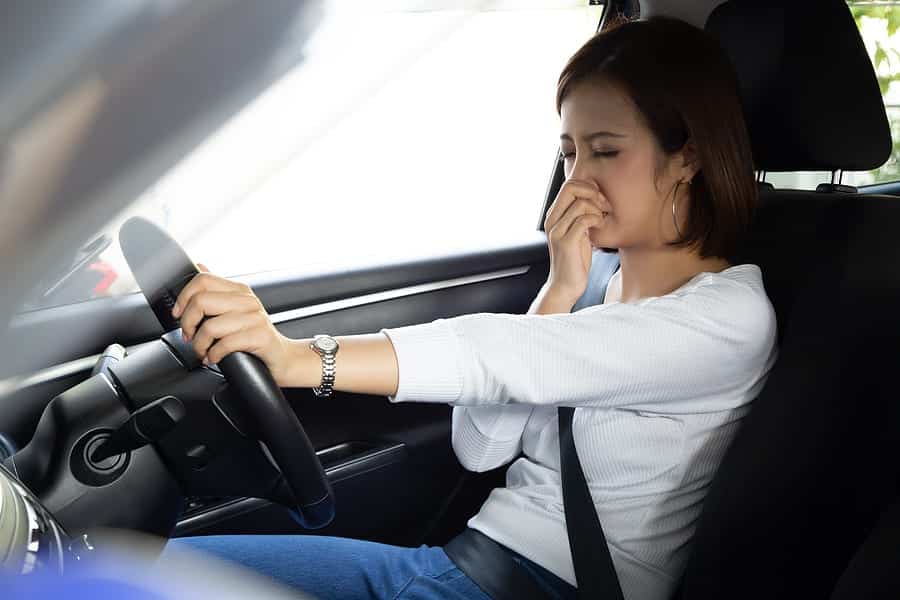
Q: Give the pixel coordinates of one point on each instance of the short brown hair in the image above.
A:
(684, 87)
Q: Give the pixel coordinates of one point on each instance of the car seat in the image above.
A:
(812, 471)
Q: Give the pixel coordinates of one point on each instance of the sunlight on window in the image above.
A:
(405, 132)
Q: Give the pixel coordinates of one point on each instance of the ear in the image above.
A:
(689, 161)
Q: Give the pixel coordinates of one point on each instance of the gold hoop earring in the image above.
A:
(674, 200)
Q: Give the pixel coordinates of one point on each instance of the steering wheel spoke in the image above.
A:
(162, 269)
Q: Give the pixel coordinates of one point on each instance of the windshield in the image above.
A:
(409, 128)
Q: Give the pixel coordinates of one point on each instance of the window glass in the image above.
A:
(878, 24)
(410, 128)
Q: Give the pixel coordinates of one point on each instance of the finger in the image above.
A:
(583, 182)
(248, 340)
(222, 326)
(566, 195)
(209, 304)
(581, 224)
(571, 190)
(202, 267)
(578, 207)
(204, 282)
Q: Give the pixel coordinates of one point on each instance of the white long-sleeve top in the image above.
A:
(660, 387)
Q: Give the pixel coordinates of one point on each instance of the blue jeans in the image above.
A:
(333, 567)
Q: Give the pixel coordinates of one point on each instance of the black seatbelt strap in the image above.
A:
(594, 569)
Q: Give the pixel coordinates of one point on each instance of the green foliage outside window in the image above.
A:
(886, 60)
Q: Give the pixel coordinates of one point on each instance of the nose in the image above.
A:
(581, 172)
(579, 169)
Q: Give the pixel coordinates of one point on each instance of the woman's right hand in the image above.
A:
(576, 209)
(220, 316)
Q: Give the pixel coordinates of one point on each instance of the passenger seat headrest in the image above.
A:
(811, 98)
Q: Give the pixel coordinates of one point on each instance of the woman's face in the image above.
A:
(604, 141)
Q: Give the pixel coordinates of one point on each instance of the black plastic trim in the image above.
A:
(360, 464)
(129, 320)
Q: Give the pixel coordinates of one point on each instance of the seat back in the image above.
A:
(874, 572)
(812, 468)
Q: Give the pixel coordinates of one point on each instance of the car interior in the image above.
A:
(806, 503)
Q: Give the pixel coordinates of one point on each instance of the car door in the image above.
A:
(398, 175)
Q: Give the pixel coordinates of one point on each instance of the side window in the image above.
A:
(408, 129)
(878, 24)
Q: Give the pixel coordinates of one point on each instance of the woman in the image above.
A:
(658, 167)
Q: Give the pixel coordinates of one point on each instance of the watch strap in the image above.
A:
(328, 372)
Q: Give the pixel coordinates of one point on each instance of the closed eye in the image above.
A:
(598, 154)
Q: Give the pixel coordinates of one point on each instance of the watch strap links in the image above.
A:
(328, 372)
(325, 388)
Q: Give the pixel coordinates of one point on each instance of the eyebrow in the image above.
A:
(592, 136)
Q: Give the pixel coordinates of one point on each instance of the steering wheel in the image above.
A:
(162, 269)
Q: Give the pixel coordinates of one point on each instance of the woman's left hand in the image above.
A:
(236, 321)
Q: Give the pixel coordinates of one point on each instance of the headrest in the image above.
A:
(810, 95)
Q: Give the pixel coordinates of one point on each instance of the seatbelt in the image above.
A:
(594, 571)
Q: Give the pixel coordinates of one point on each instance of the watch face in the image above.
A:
(326, 344)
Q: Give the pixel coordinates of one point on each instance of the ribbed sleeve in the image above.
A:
(485, 437)
(682, 351)
(428, 357)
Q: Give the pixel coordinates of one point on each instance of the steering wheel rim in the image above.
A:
(162, 268)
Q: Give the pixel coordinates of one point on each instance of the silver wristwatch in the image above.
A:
(326, 347)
